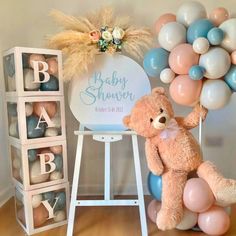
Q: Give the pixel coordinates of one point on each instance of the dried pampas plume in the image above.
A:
(75, 41)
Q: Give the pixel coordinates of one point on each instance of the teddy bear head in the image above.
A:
(151, 114)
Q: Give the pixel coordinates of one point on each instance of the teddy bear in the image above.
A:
(173, 152)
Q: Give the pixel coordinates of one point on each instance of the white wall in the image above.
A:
(26, 23)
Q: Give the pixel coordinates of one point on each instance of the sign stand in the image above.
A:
(107, 137)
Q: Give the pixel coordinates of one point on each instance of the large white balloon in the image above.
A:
(188, 221)
(189, 12)
(171, 35)
(215, 94)
(229, 28)
(216, 63)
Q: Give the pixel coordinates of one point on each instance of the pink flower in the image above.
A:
(95, 35)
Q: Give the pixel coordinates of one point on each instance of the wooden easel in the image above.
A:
(107, 137)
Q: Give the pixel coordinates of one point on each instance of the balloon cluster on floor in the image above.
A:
(201, 211)
(197, 55)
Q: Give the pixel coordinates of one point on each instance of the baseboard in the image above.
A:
(6, 194)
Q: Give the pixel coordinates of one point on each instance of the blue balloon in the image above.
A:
(155, 186)
(51, 85)
(32, 155)
(31, 123)
(215, 36)
(61, 202)
(196, 72)
(50, 196)
(12, 109)
(198, 28)
(9, 65)
(155, 61)
(58, 160)
(230, 78)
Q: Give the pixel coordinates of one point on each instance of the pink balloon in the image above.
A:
(198, 196)
(185, 91)
(153, 207)
(233, 57)
(218, 16)
(162, 20)
(215, 221)
(182, 58)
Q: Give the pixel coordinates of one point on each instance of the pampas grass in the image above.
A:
(80, 51)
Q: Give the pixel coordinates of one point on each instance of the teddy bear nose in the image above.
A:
(162, 120)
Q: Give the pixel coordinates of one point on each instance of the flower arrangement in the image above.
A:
(101, 32)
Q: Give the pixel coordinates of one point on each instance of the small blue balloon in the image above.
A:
(32, 131)
(198, 28)
(155, 186)
(230, 78)
(12, 109)
(51, 85)
(58, 160)
(50, 196)
(196, 72)
(155, 61)
(9, 65)
(61, 202)
(215, 36)
(32, 155)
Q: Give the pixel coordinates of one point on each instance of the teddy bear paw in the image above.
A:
(167, 219)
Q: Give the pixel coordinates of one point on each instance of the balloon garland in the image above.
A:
(197, 55)
(197, 58)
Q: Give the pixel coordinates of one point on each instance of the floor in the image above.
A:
(99, 221)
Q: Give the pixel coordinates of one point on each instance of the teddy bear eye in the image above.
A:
(151, 120)
(161, 110)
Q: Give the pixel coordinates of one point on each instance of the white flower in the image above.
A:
(118, 33)
(107, 36)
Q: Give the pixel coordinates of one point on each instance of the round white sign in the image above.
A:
(103, 97)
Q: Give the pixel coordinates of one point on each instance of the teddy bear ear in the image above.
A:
(126, 121)
(159, 90)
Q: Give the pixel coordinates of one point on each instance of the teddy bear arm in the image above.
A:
(154, 162)
(192, 120)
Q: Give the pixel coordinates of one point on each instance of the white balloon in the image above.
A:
(36, 200)
(35, 173)
(188, 221)
(167, 75)
(171, 35)
(29, 84)
(201, 45)
(13, 130)
(51, 132)
(215, 94)
(28, 109)
(59, 216)
(16, 163)
(189, 12)
(229, 28)
(216, 63)
(55, 175)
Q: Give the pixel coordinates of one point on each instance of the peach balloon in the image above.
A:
(215, 221)
(182, 58)
(198, 196)
(50, 107)
(56, 149)
(40, 215)
(233, 57)
(162, 20)
(153, 208)
(45, 150)
(185, 91)
(52, 66)
(218, 16)
(36, 57)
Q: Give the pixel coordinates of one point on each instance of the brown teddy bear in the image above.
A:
(173, 152)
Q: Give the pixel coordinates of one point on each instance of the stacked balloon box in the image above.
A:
(35, 117)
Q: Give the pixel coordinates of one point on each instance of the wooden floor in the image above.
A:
(99, 221)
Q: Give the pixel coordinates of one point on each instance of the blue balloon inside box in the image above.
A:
(155, 186)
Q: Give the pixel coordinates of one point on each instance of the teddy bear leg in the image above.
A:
(223, 189)
(171, 212)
